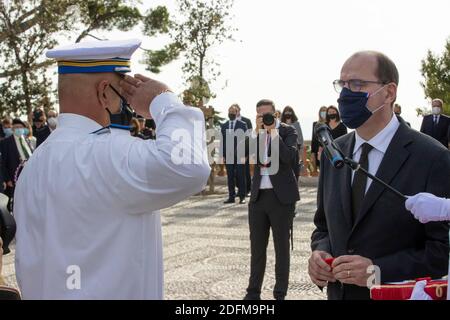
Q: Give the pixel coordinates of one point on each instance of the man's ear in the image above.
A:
(391, 93)
(101, 93)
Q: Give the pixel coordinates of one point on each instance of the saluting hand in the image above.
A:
(140, 92)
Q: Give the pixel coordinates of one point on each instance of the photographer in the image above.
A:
(40, 128)
(273, 197)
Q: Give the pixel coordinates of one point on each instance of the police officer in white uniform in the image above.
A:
(87, 201)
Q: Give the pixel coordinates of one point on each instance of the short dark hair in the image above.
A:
(265, 102)
(236, 105)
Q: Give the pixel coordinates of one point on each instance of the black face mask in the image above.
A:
(331, 117)
(124, 116)
(231, 116)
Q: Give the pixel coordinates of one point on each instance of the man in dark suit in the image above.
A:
(361, 224)
(233, 134)
(436, 125)
(272, 201)
(398, 113)
(14, 150)
(248, 178)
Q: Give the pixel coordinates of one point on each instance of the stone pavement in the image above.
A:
(206, 249)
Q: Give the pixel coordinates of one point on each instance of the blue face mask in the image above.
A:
(353, 107)
(8, 132)
(19, 132)
(26, 132)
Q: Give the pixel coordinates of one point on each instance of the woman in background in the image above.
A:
(337, 128)
(315, 161)
(289, 117)
(28, 134)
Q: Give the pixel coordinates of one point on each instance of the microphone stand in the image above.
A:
(355, 166)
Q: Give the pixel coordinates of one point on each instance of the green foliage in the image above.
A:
(29, 27)
(200, 26)
(25, 27)
(436, 72)
(204, 25)
(157, 21)
(107, 15)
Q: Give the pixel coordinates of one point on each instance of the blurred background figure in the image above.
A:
(248, 178)
(149, 131)
(338, 129)
(136, 128)
(28, 134)
(40, 128)
(15, 151)
(289, 117)
(235, 168)
(52, 120)
(315, 161)
(398, 113)
(6, 128)
(436, 125)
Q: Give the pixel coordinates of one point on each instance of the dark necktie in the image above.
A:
(360, 181)
(232, 125)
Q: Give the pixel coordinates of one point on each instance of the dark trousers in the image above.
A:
(236, 171)
(248, 178)
(267, 212)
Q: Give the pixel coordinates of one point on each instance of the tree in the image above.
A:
(436, 72)
(201, 25)
(29, 27)
(24, 28)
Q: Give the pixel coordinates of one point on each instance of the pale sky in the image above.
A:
(291, 51)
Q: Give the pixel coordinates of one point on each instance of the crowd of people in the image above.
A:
(356, 223)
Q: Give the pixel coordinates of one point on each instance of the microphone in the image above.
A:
(332, 152)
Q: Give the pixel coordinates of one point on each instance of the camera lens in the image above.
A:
(268, 119)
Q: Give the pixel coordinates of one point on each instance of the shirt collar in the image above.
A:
(382, 140)
(75, 121)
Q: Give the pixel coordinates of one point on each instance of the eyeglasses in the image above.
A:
(354, 85)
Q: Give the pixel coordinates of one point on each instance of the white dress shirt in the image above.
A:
(380, 143)
(265, 176)
(92, 200)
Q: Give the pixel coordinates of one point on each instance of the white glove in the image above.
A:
(426, 207)
(419, 292)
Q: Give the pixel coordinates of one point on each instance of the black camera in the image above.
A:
(268, 119)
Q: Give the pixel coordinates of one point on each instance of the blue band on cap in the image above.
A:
(93, 69)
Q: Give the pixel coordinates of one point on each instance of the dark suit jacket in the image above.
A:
(284, 182)
(385, 231)
(239, 125)
(441, 132)
(10, 158)
(247, 122)
(41, 134)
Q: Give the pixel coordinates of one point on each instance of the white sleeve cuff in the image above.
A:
(162, 102)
